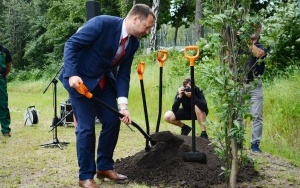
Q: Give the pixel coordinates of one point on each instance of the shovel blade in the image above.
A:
(194, 157)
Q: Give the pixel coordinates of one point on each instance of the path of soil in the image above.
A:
(163, 165)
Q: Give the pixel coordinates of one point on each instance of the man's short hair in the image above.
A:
(142, 10)
(255, 36)
(258, 30)
(186, 81)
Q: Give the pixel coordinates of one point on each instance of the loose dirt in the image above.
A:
(163, 165)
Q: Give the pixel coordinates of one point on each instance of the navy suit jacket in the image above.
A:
(89, 54)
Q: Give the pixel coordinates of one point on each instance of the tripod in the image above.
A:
(56, 121)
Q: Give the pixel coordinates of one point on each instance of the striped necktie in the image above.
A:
(119, 54)
(121, 50)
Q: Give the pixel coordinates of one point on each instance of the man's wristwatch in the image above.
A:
(123, 108)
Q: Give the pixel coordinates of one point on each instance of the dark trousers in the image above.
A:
(4, 111)
(85, 111)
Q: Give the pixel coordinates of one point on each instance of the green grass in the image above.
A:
(24, 163)
(281, 118)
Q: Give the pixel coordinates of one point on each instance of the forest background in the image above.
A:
(35, 31)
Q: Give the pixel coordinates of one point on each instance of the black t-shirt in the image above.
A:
(256, 67)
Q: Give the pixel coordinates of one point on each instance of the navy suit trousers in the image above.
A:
(85, 111)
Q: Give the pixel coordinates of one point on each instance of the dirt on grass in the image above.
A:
(163, 165)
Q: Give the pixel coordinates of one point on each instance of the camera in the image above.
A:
(187, 89)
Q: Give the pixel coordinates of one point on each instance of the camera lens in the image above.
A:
(187, 89)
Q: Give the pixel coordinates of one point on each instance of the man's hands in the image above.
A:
(257, 52)
(126, 119)
(74, 81)
(182, 91)
(124, 110)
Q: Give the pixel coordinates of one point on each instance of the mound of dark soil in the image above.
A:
(163, 165)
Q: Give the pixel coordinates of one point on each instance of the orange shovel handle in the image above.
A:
(162, 56)
(189, 57)
(140, 69)
(82, 89)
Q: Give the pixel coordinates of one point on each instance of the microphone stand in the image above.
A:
(56, 120)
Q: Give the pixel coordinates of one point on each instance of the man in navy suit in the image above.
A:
(92, 57)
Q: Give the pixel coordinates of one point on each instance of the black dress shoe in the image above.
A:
(89, 183)
(112, 175)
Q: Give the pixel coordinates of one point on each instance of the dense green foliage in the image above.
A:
(35, 31)
(225, 77)
(182, 15)
(225, 74)
(281, 32)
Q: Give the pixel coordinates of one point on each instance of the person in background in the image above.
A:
(5, 68)
(256, 70)
(183, 97)
(100, 56)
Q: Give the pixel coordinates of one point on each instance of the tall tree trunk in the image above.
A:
(153, 29)
(199, 30)
(229, 36)
(175, 36)
(234, 164)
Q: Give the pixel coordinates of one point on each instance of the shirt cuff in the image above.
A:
(122, 100)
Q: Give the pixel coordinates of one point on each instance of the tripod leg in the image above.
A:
(25, 121)
(55, 120)
(59, 146)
